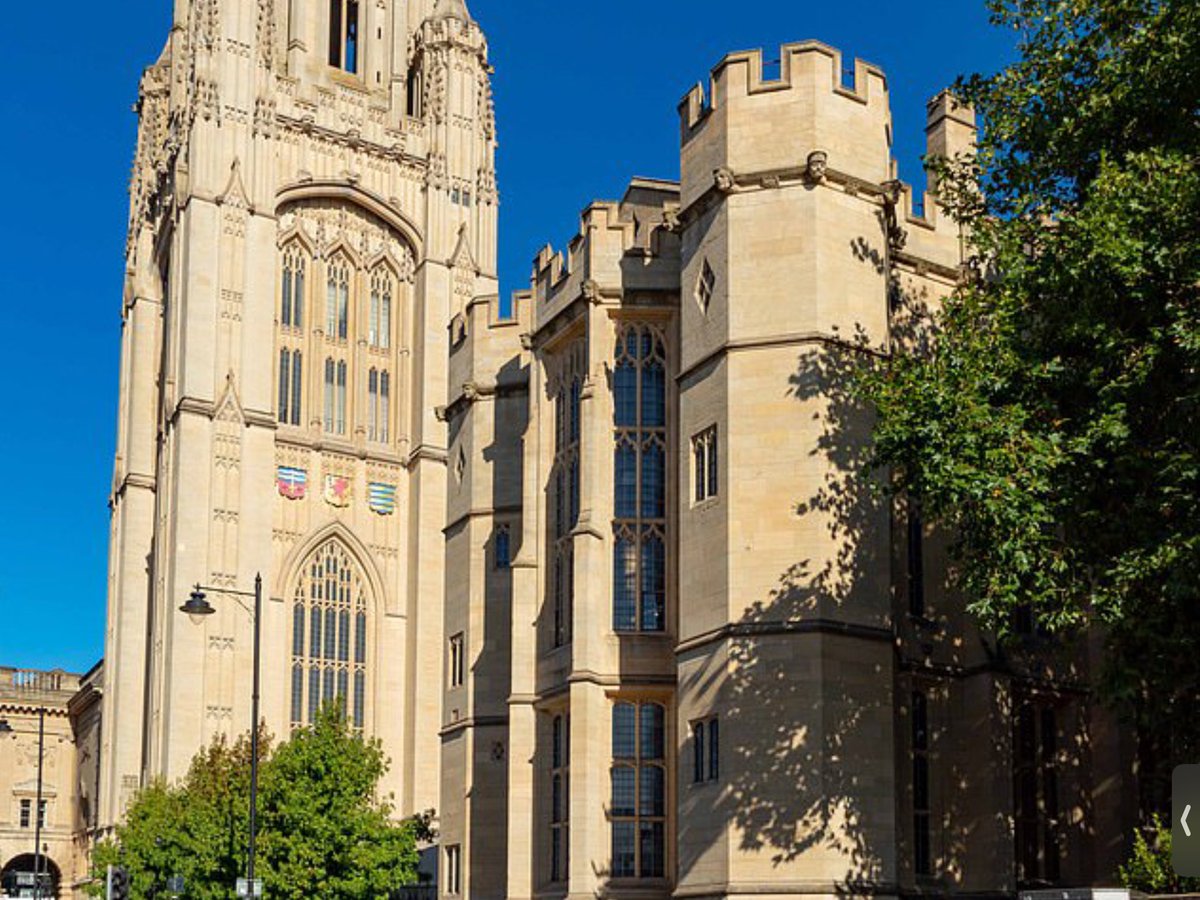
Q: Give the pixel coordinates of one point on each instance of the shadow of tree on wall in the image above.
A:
(810, 722)
(809, 678)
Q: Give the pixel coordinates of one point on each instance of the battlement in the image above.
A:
(609, 230)
(805, 66)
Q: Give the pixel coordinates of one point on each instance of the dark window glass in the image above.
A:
(624, 791)
(654, 584)
(626, 481)
(625, 395)
(654, 402)
(624, 731)
(714, 750)
(335, 33)
(624, 585)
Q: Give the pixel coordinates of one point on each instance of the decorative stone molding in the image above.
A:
(724, 180)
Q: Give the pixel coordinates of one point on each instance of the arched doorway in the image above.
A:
(17, 877)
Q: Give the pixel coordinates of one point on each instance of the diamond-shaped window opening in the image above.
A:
(705, 286)
(460, 466)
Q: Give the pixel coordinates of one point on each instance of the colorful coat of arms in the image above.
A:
(337, 490)
(382, 498)
(293, 483)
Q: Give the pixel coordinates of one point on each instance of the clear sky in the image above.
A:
(585, 98)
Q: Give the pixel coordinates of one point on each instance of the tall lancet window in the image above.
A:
(295, 266)
(379, 389)
(379, 326)
(329, 636)
(337, 300)
(291, 386)
(344, 35)
(335, 396)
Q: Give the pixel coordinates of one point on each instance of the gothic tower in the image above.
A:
(313, 200)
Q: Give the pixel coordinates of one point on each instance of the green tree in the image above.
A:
(1053, 422)
(322, 830)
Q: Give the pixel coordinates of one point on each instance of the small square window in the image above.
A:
(705, 286)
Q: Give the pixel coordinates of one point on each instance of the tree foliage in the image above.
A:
(1053, 423)
(322, 830)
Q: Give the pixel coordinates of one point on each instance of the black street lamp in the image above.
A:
(197, 608)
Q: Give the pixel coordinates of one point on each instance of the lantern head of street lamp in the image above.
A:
(5, 728)
(197, 607)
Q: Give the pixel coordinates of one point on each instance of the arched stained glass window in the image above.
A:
(329, 636)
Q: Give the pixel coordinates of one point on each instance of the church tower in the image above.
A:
(313, 200)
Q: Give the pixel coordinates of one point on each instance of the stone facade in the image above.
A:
(690, 653)
(66, 708)
(313, 200)
(599, 570)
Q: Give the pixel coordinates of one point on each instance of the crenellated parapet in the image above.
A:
(642, 226)
(813, 126)
(751, 122)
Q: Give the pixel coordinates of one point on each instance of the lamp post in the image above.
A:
(197, 608)
(37, 810)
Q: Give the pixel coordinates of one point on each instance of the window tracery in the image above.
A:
(640, 480)
(329, 636)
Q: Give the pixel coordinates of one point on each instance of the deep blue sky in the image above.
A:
(585, 95)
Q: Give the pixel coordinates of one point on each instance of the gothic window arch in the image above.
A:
(294, 282)
(379, 324)
(640, 480)
(337, 299)
(330, 625)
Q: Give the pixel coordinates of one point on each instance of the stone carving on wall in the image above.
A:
(329, 223)
(264, 117)
(487, 106)
(817, 166)
(435, 85)
(266, 33)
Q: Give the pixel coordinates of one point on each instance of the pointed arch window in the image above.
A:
(337, 303)
(329, 636)
(295, 272)
(379, 326)
(640, 480)
(344, 29)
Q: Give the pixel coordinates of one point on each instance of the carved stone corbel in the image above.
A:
(724, 180)
(817, 167)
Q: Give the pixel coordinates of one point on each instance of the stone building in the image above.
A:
(58, 714)
(689, 652)
(598, 570)
(313, 200)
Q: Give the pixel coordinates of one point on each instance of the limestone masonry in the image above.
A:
(597, 565)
